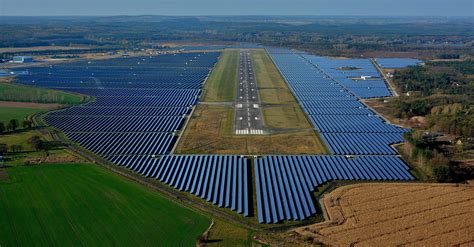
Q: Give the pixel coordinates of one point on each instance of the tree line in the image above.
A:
(14, 124)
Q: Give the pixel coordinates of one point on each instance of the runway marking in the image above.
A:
(249, 132)
(247, 88)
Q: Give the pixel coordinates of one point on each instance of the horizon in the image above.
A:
(372, 8)
(252, 15)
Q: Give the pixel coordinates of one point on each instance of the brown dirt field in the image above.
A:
(210, 131)
(29, 105)
(395, 214)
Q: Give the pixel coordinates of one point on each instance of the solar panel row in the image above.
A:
(363, 143)
(334, 110)
(396, 63)
(284, 183)
(220, 179)
(125, 143)
(139, 101)
(101, 124)
(121, 111)
(357, 75)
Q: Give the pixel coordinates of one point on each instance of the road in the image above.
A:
(248, 115)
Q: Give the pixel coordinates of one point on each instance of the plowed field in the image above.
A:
(395, 214)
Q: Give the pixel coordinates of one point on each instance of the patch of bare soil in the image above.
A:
(29, 105)
(55, 158)
(3, 174)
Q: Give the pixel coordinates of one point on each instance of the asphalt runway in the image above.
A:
(248, 115)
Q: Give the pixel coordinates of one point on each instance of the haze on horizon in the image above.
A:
(237, 7)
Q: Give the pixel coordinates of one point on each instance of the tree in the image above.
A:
(9, 126)
(442, 173)
(13, 124)
(2, 127)
(16, 148)
(26, 123)
(3, 148)
(35, 142)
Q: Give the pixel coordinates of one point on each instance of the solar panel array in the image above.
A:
(140, 102)
(357, 75)
(397, 63)
(220, 179)
(332, 102)
(336, 112)
(284, 183)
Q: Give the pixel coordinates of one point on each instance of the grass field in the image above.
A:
(16, 92)
(28, 154)
(8, 113)
(83, 204)
(285, 117)
(19, 138)
(221, 84)
(228, 234)
(210, 131)
(395, 215)
(271, 86)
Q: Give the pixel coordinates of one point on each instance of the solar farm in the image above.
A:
(140, 107)
(396, 63)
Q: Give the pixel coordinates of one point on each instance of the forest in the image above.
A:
(424, 37)
(443, 92)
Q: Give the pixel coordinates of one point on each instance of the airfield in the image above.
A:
(249, 134)
(218, 125)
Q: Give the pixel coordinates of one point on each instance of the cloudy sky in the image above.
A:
(239, 7)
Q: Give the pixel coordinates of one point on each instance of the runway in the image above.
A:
(248, 115)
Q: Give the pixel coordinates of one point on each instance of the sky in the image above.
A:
(237, 7)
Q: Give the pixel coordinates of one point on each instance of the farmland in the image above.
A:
(68, 204)
(18, 113)
(21, 93)
(395, 214)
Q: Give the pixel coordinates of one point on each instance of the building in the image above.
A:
(22, 59)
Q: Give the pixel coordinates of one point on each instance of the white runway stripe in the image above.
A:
(249, 132)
